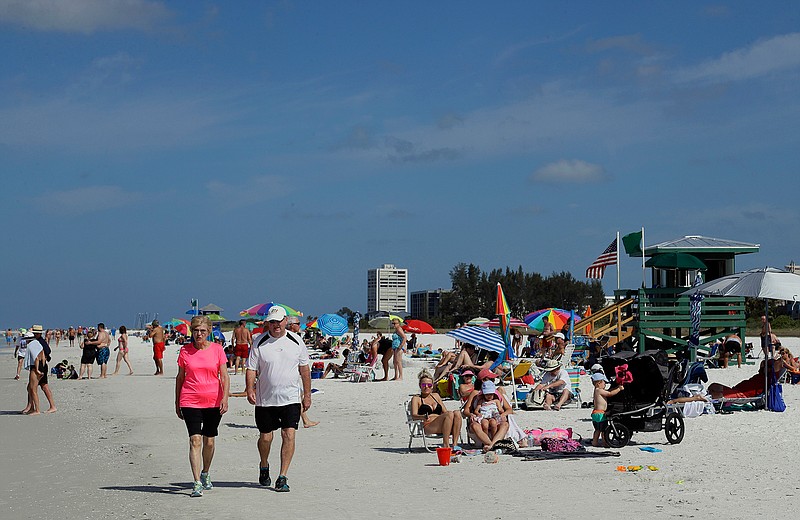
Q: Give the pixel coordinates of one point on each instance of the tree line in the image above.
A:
(474, 293)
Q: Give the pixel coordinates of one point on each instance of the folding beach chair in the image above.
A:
(416, 430)
(365, 372)
(519, 370)
(575, 386)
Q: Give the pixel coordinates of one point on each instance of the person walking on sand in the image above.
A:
(398, 347)
(277, 371)
(122, 350)
(242, 339)
(36, 361)
(21, 350)
(201, 398)
(156, 334)
(293, 325)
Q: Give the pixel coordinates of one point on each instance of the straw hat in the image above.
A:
(37, 329)
(551, 364)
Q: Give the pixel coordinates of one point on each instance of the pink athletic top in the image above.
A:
(201, 388)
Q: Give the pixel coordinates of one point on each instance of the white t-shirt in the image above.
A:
(22, 347)
(277, 361)
(34, 348)
(563, 375)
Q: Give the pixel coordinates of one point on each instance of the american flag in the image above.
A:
(606, 258)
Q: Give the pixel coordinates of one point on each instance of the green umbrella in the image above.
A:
(215, 317)
(676, 261)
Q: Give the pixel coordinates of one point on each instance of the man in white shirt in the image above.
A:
(277, 371)
(556, 383)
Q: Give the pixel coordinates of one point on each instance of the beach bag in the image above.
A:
(535, 399)
(561, 445)
(775, 402)
(443, 387)
(536, 435)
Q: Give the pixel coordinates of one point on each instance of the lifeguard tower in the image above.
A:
(658, 316)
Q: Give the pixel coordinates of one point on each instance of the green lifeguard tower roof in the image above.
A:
(694, 244)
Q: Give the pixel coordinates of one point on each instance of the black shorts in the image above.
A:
(271, 418)
(44, 370)
(202, 421)
(733, 347)
(600, 426)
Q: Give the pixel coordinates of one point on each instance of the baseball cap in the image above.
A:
(488, 387)
(599, 376)
(485, 373)
(559, 335)
(276, 313)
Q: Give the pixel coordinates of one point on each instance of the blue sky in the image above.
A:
(152, 152)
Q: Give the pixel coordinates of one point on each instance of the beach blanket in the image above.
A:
(530, 455)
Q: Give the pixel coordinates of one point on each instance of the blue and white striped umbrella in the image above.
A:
(480, 337)
(332, 324)
(695, 301)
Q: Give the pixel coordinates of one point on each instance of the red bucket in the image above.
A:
(444, 455)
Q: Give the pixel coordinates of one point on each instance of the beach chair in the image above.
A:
(417, 431)
(566, 357)
(365, 372)
(519, 370)
(575, 386)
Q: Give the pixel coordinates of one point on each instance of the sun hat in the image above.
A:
(276, 313)
(559, 335)
(485, 373)
(551, 364)
(28, 335)
(597, 367)
(37, 329)
(488, 387)
(599, 376)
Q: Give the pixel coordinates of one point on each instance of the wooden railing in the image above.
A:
(615, 321)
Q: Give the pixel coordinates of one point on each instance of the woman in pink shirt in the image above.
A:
(201, 397)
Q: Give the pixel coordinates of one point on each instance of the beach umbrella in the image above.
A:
(480, 337)
(384, 322)
(514, 323)
(477, 321)
(183, 328)
(332, 324)
(767, 283)
(675, 261)
(356, 325)
(215, 317)
(588, 328)
(695, 306)
(557, 317)
(261, 309)
(504, 315)
(418, 327)
(192, 312)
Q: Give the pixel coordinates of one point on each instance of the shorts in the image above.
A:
(599, 420)
(241, 351)
(89, 356)
(733, 347)
(202, 421)
(44, 370)
(271, 418)
(102, 355)
(158, 350)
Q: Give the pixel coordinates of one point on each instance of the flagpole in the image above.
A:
(618, 260)
(643, 282)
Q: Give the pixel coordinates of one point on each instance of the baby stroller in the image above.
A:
(642, 405)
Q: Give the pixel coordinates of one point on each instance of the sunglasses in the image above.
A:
(425, 385)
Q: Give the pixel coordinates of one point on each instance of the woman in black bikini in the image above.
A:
(428, 407)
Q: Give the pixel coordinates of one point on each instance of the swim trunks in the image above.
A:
(242, 350)
(599, 420)
(158, 350)
(102, 355)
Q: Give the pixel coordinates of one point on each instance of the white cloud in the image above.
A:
(91, 199)
(569, 170)
(83, 16)
(759, 59)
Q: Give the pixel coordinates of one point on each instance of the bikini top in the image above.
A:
(425, 409)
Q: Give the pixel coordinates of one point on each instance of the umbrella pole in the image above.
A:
(767, 365)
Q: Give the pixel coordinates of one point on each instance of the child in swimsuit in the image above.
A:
(599, 421)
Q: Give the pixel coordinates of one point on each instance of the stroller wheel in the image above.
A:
(674, 428)
(617, 435)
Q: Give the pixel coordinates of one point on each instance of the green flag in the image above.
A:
(633, 244)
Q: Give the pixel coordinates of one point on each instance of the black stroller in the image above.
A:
(642, 405)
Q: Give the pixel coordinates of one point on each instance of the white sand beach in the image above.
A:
(115, 449)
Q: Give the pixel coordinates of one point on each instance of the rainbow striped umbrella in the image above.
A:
(504, 315)
(261, 309)
(556, 317)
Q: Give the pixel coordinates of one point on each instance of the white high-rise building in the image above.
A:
(387, 289)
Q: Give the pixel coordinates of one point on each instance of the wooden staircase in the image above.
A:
(615, 321)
